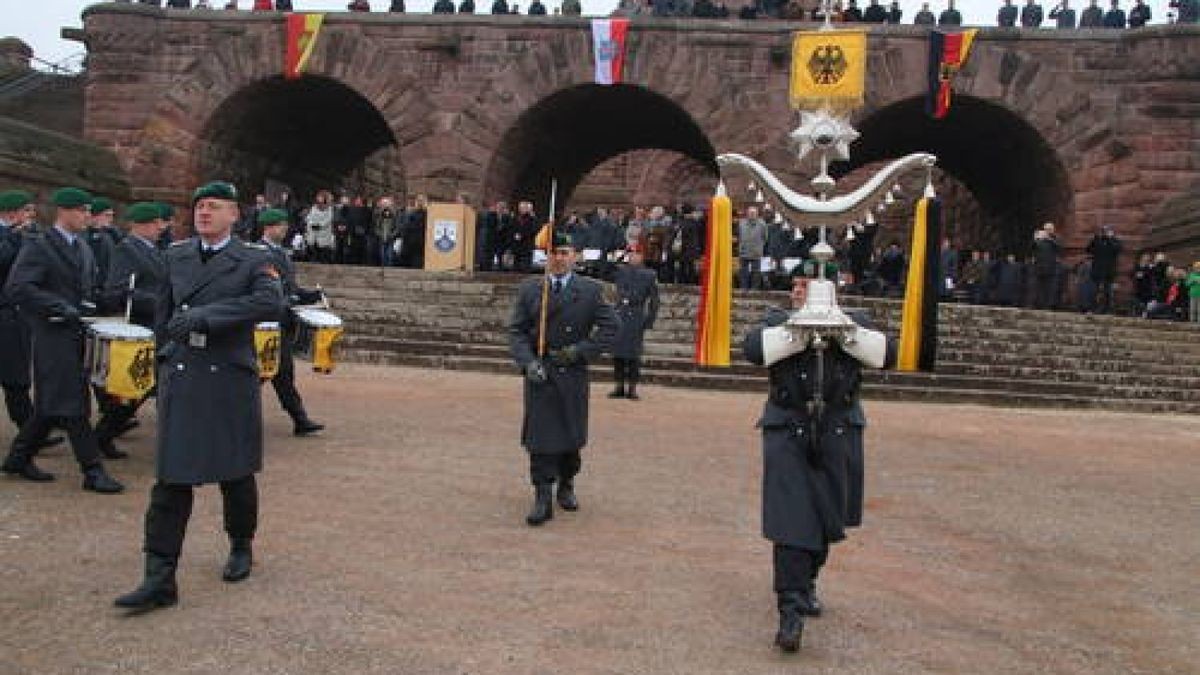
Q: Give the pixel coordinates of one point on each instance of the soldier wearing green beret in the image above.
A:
(553, 350)
(102, 236)
(209, 405)
(53, 282)
(274, 225)
(15, 208)
(137, 256)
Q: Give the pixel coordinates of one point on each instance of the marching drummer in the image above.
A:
(138, 257)
(274, 224)
(52, 281)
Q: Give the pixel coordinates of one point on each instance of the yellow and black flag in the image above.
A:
(829, 69)
(918, 322)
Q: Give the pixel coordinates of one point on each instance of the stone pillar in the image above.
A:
(14, 54)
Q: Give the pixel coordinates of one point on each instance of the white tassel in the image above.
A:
(751, 187)
(778, 217)
(870, 218)
(758, 196)
(929, 192)
(889, 199)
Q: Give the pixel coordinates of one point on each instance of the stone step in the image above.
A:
(744, 370)
(870, 390)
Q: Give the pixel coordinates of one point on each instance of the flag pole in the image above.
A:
(546, 273)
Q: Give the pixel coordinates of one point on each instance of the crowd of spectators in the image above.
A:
(1029, 15)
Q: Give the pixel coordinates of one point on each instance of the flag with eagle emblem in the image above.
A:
(828, 69)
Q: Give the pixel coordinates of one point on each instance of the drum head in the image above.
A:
(121, 331)
(317, 317)
(267, 326)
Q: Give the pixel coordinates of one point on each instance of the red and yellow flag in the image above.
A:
(302, 32)
(714, 318)
(947, 54)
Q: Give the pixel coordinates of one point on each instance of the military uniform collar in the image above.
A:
(65, 234)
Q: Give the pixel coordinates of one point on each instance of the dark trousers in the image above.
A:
(749, 273)
(545, 469)
(1104, 294)
(171, 507)
(284, 381)
(1045, 286)
(627, 370)
(114, 413)
(796, 569)
(20, 406)
(79, 431)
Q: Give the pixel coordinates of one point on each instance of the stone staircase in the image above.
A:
(987, 355)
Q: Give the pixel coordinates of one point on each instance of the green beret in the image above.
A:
(165, 210)
(100, 205)
(272, 216)
(13, 200)
(142, 212)
(809, 269)
(71, 198)
(561, 238)
(217, 189)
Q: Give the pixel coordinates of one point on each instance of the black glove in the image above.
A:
(566, 356)
(535, 372)
(184, 324)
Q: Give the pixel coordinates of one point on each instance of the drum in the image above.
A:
(317, 335)
(119, 359)
(266, 345)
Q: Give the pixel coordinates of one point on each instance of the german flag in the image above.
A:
(302, 30)
(918, 322)
(947, 54)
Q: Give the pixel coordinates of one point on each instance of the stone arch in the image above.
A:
(345, 65)
(1017, 178)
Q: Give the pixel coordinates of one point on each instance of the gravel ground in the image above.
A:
(995, 541)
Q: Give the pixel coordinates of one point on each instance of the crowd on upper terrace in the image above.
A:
(1029, 15)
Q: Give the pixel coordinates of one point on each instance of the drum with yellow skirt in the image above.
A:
(317, 335)
(266, 344)
(119, 359)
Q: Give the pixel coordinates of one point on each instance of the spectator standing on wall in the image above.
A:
(1140, 14)
(536, 8)
(1092, 17)
(894, 13)
(1064, 16)
(1105, 249)
(1007, 16)
(924, 17)
(950, 16)
(1031, 15)
(1115, 17)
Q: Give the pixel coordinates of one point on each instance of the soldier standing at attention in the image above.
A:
(637, 308)
(552, 349)
(812, 427)
(209, 405)
(274, 224)
(54, 281)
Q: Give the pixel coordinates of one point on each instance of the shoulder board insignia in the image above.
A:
(261, 247)
(180, 243)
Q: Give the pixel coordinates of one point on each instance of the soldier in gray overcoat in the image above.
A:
(14, 332)
(580, 325)
(812, 462)
(53, 281)
(209, 406)
(637, 308)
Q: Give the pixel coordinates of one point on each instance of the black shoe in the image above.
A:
(542, 509)
(158, 587)
(241, 559)
(306, 426)
(619, 392)
(25, 468)
(810, 604)
(791, 621)
(47, 442)
(110, 451)
(633, 395)
(566, 497)
(97, 479)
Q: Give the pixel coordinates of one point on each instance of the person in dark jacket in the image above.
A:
(1092, 16)
(101, 235)
(875, 13)
(1031, 15)
(138, 257)
(1105, 249)
(1143, 284)
(1007, 16)
(536, 8)
(811, 427)
(1046, 251)
(16, 208)
(443, 7)
(950, 16)
(924, 17)
(636, 308)
(274, 225)
(53, 281)
(1115, 16)
(524, 230)
(1140, 14)
(579, 325)
(209, 404)
(499, 7)
(1063, 16)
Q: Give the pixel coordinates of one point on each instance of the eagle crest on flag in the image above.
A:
(141, 369)
(827, 64)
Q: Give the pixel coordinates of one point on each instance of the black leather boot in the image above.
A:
(632, 394)
(542, 509)
(241, 558)
(810, 604)
(96, 479)
(110, 451)
(791, 621)
(23, 466)
(158, 587)
(566, 496)
(305, 426)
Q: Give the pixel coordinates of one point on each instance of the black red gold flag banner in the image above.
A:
(947, 54)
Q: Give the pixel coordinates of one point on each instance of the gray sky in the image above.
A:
(40, 21)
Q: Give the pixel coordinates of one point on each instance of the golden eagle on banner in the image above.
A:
(828, 69)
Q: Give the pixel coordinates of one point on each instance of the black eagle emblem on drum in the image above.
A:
(270, 352)
(827, 64)
(141, 369)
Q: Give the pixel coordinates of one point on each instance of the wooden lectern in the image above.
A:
(449, 237)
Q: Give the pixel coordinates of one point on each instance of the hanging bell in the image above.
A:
(929, 191)
(889, 198)
(758, 196)
(870, 218)
(778, 217)
(751, 187)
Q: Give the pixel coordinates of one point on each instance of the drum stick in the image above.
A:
(129, 298)
(541, 346)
